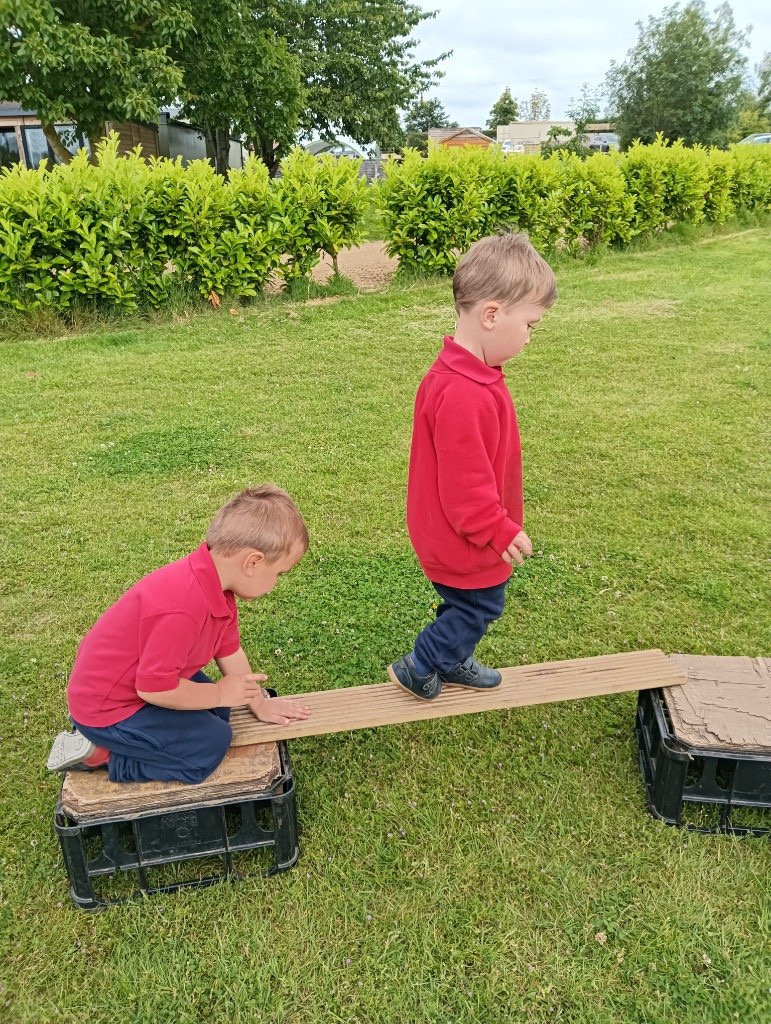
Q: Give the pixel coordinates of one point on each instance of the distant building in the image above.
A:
(459, 137)
(22, 140)
(527, 136)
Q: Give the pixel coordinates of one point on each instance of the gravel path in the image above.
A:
(367, 266)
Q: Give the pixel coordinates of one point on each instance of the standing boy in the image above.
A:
(140, 703)
(464, 493)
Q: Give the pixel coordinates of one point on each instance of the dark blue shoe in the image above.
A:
(407, 677)
(470, 673)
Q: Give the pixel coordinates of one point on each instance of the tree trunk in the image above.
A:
(95, 139)
(223, 152)
(218, 149)
(55, 143)
(268, 152)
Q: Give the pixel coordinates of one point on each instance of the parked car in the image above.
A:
(754, 140)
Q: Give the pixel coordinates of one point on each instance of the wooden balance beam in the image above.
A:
(253, 755)
(363, 707)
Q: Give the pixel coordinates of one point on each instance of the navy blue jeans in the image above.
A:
(461, 621)
(158, 744)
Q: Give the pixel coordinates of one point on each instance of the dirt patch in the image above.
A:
(368, 266)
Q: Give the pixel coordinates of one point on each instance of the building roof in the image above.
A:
(324, 145)
(10, 108)
(440, 134)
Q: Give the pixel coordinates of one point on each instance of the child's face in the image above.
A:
(507, 329)
(258, 576)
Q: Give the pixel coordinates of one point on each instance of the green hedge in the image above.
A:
(134, 235)
(434, 208)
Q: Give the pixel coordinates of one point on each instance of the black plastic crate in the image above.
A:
(676, 774)
(158, 842)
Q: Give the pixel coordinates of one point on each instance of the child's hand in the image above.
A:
(519, 547)
(279, 710)
(239, 689)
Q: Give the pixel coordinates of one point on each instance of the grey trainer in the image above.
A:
(69, 749)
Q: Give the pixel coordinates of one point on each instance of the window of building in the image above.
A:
(36, 146)
(9, 147)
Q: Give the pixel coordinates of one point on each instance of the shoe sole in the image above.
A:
(394, 679)
(59, 761)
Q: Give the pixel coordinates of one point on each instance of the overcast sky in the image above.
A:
(555, 45)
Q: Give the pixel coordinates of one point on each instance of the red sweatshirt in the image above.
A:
(464, 493)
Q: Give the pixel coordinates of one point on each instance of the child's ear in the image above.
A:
(488, 314)
(253, 560)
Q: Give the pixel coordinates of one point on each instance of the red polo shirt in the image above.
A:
(165, 628)
(464, 494)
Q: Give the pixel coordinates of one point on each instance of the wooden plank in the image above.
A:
(725, 704)
(362, 707)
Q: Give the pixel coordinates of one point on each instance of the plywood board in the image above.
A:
(362, 707)
(89, 796)
(724, 705)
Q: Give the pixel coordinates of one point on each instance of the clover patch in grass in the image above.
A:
(161, 453)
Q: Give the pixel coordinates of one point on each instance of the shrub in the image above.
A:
(321, 204)
(719, 202)
(130, 234)
(525, 195)
(751, 184)
(667, 183)
(434, 208)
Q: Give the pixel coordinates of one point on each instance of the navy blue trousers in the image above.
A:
(461, 621)
(158, 744)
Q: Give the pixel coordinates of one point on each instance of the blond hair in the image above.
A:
(263, 518)
(505, 269)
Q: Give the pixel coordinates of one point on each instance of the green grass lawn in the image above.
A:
(498, 867)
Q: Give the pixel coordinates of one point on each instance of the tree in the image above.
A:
(425, 114)
(90, 61)
(754, 113)
(240, 78)
(315, 66)
(684, 77)
(262, 71)
(586, 109)
(582, 112)
(360, 69)
(504, 111)
(763, 72)
(749, 121)
(419, 118)
(537, 108)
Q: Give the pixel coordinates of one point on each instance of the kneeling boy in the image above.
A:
(140, 703)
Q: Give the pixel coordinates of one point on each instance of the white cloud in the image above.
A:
(527, 46)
